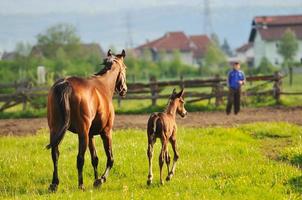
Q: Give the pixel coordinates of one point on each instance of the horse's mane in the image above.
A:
(108, 62)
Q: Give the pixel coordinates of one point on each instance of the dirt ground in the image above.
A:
(196, 119)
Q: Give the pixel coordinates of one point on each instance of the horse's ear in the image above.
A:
(172, 96)
(180, 94)
(123, 53)
(109, 53)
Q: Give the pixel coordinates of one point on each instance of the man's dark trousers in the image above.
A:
(233, 98)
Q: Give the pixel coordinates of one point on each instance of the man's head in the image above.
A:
(236, 65)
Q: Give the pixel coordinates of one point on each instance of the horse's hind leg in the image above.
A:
(83, 142)
(55, 180)
(176, 156)
(167, 159)
(151, 142)
(107, 142)
(161, 160)
(94, 157)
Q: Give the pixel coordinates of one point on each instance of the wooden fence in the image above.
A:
(24, 92)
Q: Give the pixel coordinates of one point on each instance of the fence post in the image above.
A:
(154, 89)
(277, 87)
(182, 83)
(119, 101)
(218, 91)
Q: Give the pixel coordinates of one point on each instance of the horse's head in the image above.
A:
(117, 62)
(179, 102)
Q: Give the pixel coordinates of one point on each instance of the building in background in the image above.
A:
(266, 34)
(245, 54)
(191, 48)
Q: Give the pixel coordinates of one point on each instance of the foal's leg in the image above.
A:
(55, 180)
(167, 159)
(83, 143)
(176, 156)
(107, 142)
(162, 159)
(94, 157)
(151, 143)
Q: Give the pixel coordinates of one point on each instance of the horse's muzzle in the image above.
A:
(123, 92)
(184, 114)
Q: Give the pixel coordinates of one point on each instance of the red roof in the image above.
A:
(273, 27)
(179, 41)
(244, 47)
(169, 42)
(202, 42)
(279, 20)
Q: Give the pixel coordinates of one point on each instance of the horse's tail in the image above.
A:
(151, 127)
(61, 92)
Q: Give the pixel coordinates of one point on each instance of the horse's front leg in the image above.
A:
(107, 142)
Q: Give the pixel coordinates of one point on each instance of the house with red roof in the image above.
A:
(192, 48)
(266, 33)
(245, 54)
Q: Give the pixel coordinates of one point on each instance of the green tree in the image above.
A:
(288, 48)
(226, 48)
(59, 36)
(215, 59)
(265, 67)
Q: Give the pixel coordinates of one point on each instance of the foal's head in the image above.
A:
(117, 61)
(177, 99)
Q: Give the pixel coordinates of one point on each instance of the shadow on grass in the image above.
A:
(296, 184)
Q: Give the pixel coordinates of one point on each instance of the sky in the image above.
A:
(94, 6)
(105, 22)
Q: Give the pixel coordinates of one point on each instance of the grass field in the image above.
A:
(253, 161)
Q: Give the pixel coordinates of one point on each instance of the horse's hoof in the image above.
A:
(81, 187)
(169, 177)
(53, 187)
(149, 182)
(162, 182)
(98, 182)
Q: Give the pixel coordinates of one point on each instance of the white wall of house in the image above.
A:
(244, 56)
(269, 50)
(186, 57)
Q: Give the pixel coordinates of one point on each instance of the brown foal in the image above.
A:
(84, 106)
(163, 126)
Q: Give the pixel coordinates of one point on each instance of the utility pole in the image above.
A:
(207, 23)
(129, 40)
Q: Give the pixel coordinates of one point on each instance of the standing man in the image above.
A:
(235, 80)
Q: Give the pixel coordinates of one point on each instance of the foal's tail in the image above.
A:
(151, 128)
(61, 92)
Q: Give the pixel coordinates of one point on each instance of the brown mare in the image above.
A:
(84, 106)
(163, 126)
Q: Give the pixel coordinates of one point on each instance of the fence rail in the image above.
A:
(25, 92)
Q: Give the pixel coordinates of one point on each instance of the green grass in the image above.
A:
(215, 163)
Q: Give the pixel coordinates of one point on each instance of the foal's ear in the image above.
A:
(123, 53)
(172, 96)
(180, 94)
(109, 53)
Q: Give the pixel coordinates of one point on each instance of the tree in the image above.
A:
(265, 66)
(23, 49)
(288, 48)
(214, 59)
(226, 48)
(215, 39)
(59, 36)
